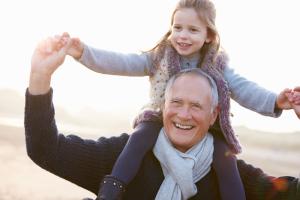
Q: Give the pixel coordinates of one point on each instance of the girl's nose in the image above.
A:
(183, 34)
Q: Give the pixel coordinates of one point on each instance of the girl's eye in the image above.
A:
(177, 28)
(194, 30)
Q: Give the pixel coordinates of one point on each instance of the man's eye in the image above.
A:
(175, 102)
(196, 106)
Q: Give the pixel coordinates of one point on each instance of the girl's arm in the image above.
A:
(250, 95)
(108, 62)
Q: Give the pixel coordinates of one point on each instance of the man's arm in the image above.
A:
(259, 186)
(82, 162)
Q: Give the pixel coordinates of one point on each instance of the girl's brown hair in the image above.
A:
(207, 13)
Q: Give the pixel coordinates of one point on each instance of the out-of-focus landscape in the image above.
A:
(277, 154)
(252, 41)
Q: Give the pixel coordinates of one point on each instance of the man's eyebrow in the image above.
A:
(196, 103)
(176, 98)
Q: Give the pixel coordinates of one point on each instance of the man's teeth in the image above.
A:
(185, 127)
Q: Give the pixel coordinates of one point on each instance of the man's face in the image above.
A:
(187, 112)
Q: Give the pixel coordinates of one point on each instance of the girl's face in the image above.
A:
(189, 33)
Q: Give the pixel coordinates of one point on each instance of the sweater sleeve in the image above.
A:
(260, 186)
(250, 95)
(107, 62)
(81, 161)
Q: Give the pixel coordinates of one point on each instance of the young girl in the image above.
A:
(191, 42)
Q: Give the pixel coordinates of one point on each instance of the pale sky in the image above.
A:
(260, 36)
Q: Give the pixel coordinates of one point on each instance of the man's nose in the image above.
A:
(184, 113)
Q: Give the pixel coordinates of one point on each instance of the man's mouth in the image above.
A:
(183, 126)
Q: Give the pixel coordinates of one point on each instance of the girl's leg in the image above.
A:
(140, 142)
(127, 165)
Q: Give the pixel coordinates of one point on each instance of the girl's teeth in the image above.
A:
(183, 44)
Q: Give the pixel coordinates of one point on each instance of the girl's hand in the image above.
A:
(75, 45)
(282, 101)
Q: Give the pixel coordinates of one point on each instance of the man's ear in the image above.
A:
(214, 115)
(162, 106)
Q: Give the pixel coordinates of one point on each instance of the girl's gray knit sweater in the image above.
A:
(160, 70)
(241, 89)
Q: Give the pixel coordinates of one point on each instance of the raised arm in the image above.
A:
(47, 57)
(83, 162)
(256, 98)
(250, 95)
(109, 62)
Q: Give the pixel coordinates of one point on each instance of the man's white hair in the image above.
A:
(201, 73)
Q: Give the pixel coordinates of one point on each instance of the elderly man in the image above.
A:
(187, 162)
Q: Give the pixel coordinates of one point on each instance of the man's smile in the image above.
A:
(183, 126)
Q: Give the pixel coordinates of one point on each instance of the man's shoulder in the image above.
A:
(122, 138)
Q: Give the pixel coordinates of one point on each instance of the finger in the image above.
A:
(297, 102)
(57, 42)
(63, 51)
(48, 45)
(297, 88)
(287, 90)
(296, 99)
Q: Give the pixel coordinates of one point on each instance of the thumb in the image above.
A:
(64, 49)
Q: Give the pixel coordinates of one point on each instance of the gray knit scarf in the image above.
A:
(182, 170)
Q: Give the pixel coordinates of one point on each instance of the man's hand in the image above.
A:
(47, 57)
(294, 98)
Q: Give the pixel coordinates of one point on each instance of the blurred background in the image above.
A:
(260, 36)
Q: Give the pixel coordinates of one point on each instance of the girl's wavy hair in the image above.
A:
(207, 13)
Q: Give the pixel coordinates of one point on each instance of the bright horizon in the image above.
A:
(260, 36)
